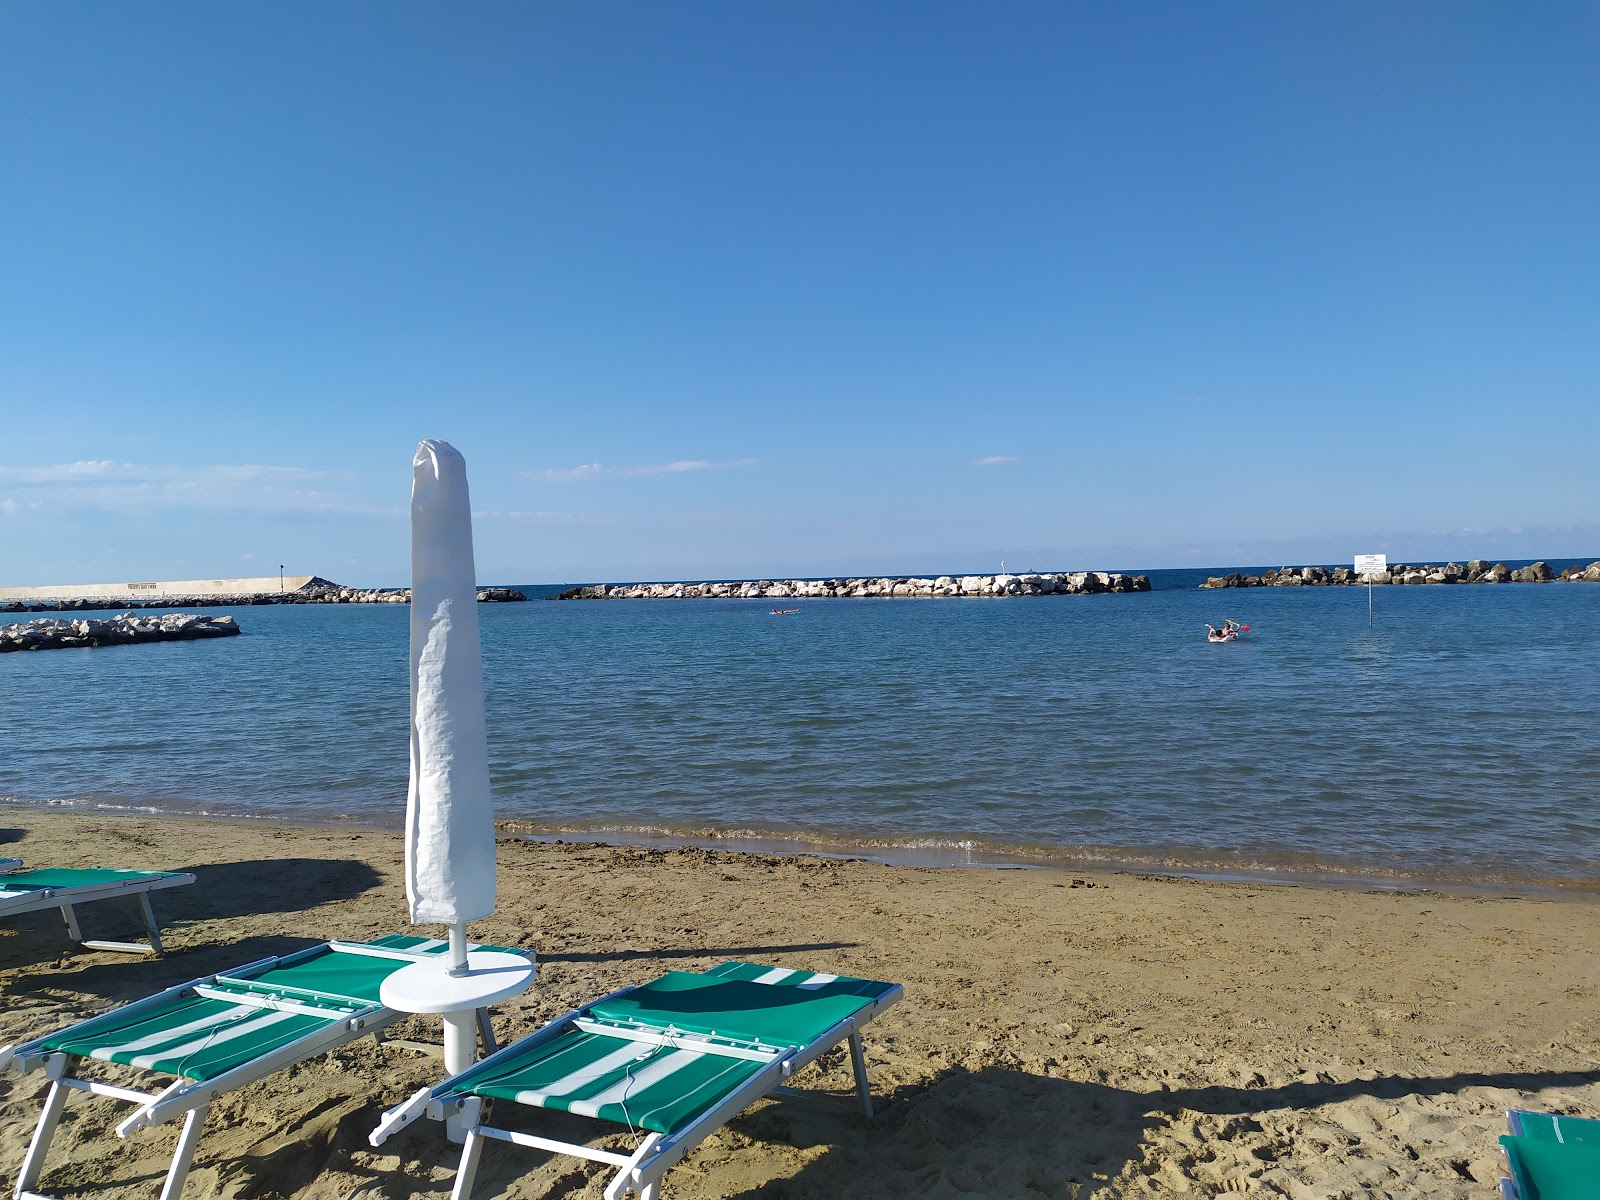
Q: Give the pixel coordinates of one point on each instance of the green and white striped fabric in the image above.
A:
(193, 1038)
(638, 1084)
(805, 980)
(646, 1085)
(199, 1038)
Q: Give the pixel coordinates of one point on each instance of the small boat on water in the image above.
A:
(784, 612)
(1229, 632)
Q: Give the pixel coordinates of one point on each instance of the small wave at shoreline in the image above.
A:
(1286, 868)
(929, 851)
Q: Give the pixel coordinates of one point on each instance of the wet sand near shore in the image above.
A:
(1062, 1035)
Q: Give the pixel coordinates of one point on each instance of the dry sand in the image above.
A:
(1061, 1036)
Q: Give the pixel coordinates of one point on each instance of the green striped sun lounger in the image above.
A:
(672, 1061)
(1551, 1157)
(218, 1033)
(28, 891)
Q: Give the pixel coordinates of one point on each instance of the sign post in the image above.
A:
(1370, 565)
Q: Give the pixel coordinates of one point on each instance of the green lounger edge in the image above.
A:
(1553, 1127)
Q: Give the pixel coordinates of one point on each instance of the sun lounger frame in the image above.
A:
(641, 1171)
(66, 897)
(349, 1018)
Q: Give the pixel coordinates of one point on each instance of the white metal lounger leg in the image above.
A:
(471, 1152)
(486, 1032)
(33, 1164)
(149, 915)
(858, 1060)
(75, 932)
(465, 1121)
(184, 1154)
(622, 1181)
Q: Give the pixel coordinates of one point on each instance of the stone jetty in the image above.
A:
(124, 630)
(1477, 571)
(1070, 583)
(315, 590)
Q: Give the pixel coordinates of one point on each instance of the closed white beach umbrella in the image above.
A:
(450, 860)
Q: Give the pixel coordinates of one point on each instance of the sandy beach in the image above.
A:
(1062, 1035)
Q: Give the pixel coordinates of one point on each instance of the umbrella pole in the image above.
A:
(460, 1028)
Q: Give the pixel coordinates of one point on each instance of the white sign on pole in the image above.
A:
(1368, 565)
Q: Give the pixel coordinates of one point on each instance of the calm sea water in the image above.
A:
(1457, 739)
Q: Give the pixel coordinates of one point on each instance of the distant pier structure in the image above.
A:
(222, 589)
(207, 593)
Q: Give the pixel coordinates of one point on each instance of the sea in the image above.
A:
(1452, 741)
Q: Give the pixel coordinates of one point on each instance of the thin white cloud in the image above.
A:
(698, 464)
(996, 460)
(103, 485)
(590, 470)
(533, 518)
(90, 471)
(567, 474)
(10, 507)
(63, 472)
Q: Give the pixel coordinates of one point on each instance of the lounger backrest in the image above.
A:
(733, 1007)
(806, 980)
(357, 976)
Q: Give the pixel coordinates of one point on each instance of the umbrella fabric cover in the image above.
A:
(449, 814)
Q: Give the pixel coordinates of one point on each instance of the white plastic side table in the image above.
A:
(428, 987)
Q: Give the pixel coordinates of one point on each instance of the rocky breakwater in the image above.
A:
(334, 594)
(1070, 583)
(124, 630)
(1477, 571)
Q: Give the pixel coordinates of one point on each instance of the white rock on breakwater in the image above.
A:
(124, 630)
(1069, 583)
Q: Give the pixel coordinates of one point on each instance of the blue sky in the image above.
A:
(733, 289)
